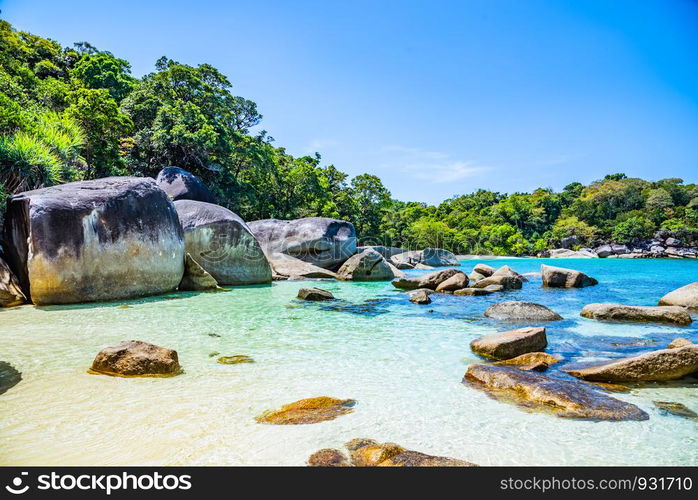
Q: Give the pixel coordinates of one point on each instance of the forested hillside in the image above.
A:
(72, 113)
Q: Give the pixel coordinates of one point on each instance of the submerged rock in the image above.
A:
(328, 457)
(648, 314)
(10, 292)
(308, 411)
(180, 184)
(686, 296)
(314, 294)
(515, 310)
(506, 345)
(560, 277)
(563, 398)
(369, 453)
(662, 364)
(678, 409)
(235, 359)
(368, 265)
(319, 241)
(105, 239)
(135, 358)
(420, 297)
(431, 280)
(374, 454)
(196, 278)
(221, 243)
(536, 361)
(455, 282)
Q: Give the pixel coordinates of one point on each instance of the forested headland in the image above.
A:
(75, 113)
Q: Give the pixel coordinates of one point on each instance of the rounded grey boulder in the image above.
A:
(180, 184)
(221, 243)
(368, 265)
(686, 296)
(515, 310)
(105, 239)
(320, 241)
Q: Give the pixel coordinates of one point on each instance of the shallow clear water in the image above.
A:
(402, 363)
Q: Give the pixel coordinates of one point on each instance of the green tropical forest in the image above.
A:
(75, 113)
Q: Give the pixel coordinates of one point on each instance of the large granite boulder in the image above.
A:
(221, 243)
(515, 310)
(563, 398)
(320, 241)
(456, 282)
(386, 252)
(182, 185)
(285, 266)
(506, 345)
(135, 358)
(643, 314)
(430, 280)
(10, 292)
(368, 265)
(308, 411)
(434, 257)
(662, 364)
(505, 277)
(196, 278)
(560, 277)
(104, 239)
(484, 270)
(686, 296)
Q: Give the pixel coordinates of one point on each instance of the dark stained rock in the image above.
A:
(678, 409)
(560, 277)
(455, 282)
(686, 296)
(328, 457)
(10, 292)
(104, 239)
(196, 278)
(9, 377)
(514, 310)
(662, 364)
(431, 280)
(308, 411)
(180, 184)
(320, 241)
(506, 345)
(536, 361)
(135, 358)
(644, 314)
(222, 244)
(236, 359)
(368, 265)
(564, 398)
(420, 297)
(314, 294)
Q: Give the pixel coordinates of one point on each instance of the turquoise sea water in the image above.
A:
(403, 363)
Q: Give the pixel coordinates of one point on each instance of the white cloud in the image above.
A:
(319, 145)
(432, 166)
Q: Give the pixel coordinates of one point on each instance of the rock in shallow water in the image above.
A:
(560, 277)
(678, 409)
(506, 345)
(328, 457)
(536, 361)
(455, 282)
(314, 294)
(368, 265)
(643, 314)
(105, 239)
(420, 297)
(308, 411)
(514, 310)
(221, 243)
(235, 359)
(563, 398)
(430, 281)
(10, 292)
(196, 278)
(686, 296)
(663, 364)
(136, 358)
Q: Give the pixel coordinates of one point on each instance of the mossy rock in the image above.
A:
(235, 360)
(308, 411)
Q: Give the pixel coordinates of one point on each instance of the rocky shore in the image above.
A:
(662, 246)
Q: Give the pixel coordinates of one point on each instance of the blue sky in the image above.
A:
(436, 97)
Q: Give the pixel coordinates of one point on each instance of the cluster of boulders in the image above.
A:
(127, 237)
(663, 245)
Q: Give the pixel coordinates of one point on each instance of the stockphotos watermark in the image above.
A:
(106, 483)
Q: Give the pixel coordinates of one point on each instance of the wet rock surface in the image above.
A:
(514, 310)
(506, 345)
(650, 314)
(535, 361)
(420, 297)
(308, 411)
(314, 294)
(136, 358)
(563, 398)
